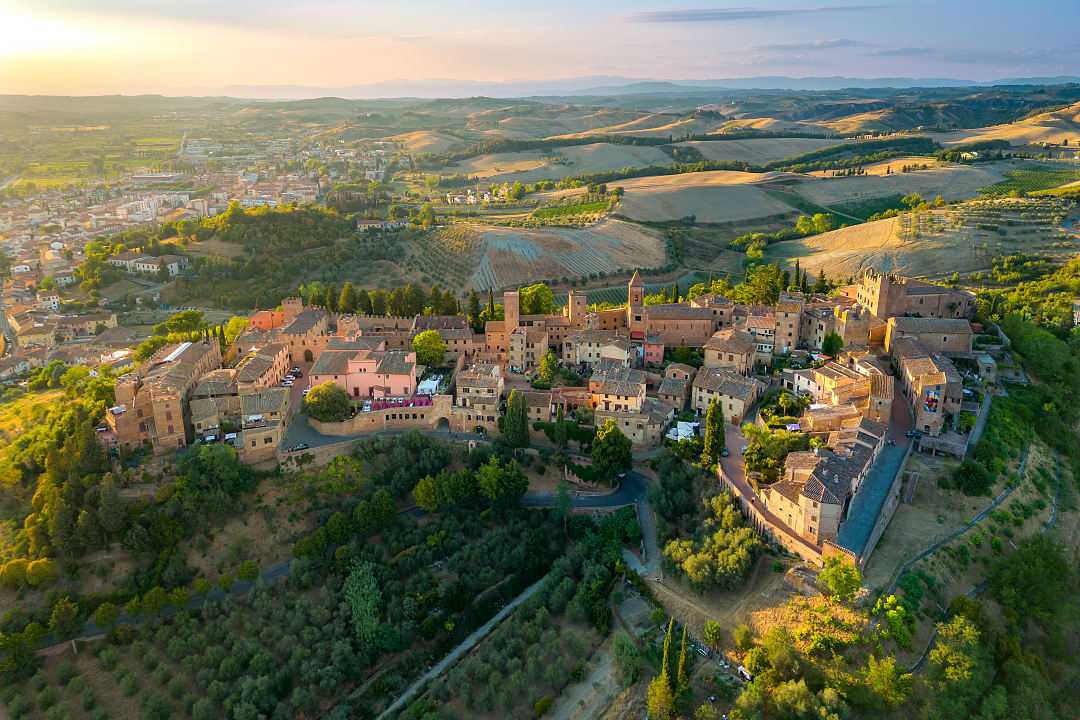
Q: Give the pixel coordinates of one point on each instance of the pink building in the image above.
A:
(365, 369)
(653, 350)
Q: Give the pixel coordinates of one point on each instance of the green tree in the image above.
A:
(536, 299)
(426, 493)
(328, 403)
(13, 573)
(363, 598)
(713, 446)
(502, 484)
(234, 328)
(822, 284)
(832, 345)
(960, 671)
(744, 637)
(888, 687)
(660, 701)
(64, 619)
(612, 452)
(516, 421)
(106, 615)
(682, 681)
(248, 571)
(41, 572)
(473, 312)
(429, 347)
(549, 364)
(347, 300)
(112, 511)
(627, 658)
(363, 302)
(713, 634)
(841, 578)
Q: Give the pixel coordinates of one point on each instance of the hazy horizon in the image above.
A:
(79, 47)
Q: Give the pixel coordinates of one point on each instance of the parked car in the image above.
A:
(298, 446)
(725, 452)
(296, 371)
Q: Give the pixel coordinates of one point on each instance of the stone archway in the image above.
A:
(442, 425)
(308, 356)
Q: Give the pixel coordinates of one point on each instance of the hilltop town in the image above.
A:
(652, 405)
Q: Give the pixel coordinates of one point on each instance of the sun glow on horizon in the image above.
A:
(23, 35)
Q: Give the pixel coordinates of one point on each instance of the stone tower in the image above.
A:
(635, 307)
(577, 307)
(511, 311)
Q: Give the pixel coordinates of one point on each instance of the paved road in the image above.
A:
(465, 646)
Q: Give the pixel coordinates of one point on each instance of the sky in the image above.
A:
(195, 47)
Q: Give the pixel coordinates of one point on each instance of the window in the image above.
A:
(267, 440)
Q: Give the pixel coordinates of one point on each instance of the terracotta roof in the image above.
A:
(726, 382)
(677, 311)
(731, 340)
(947, 326)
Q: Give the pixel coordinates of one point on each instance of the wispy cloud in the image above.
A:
(811, 46)
(902, 52)
(713, 15)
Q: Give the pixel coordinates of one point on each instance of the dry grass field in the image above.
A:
(534, 165)
(712, 197)
(656, 125)
(758, 151)
(534, 121)
(426, 141)
(773, 125)
(518, 256)
(961, 238)
(1050, 127)
(952, 182)
(895, 165)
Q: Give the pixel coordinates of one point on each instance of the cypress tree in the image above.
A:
(682, 680)
(714, 435)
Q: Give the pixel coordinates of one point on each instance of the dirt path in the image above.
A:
(590, 697)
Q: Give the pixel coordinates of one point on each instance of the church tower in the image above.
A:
(635, 308)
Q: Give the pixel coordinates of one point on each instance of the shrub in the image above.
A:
(65, 672)
(973, 478)
(744, 637)
(40, 573)
(47, 698)
(327, 403)
(542, 706)
(128, 685)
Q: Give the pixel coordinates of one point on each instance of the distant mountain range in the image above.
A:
(606, 85)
